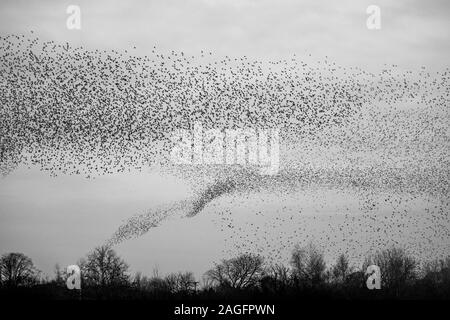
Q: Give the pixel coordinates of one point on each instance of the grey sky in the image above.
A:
(61, 219)
(412, 33)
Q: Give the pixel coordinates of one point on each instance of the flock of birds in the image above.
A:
(382, 137)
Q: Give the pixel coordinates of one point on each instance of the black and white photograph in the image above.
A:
(218, 159)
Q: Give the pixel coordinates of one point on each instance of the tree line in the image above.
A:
(105, 275)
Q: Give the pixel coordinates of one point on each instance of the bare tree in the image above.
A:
(342, 269)
(59, 275)
(397, 268)
(280, 273)
(241, 272)
(308, 264)
(437, 273)
(207, 283)
(17, 269)
(103, 267)
(139, 280)
(299, 260)
(181, 282)
(152, 284)
(277, 278)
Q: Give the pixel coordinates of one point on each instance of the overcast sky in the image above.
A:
(413, 32)
(60, 219)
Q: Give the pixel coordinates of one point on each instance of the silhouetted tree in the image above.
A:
(276, 279)
(241, 272)
(436, 277)
(207, 283)
(397, 268)
(308, 265)
(105, 277)
(154, 285)
(103, 267)
(139, 280)
(181, 282)
(341, 270)
(59, 275)
(16, 269)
